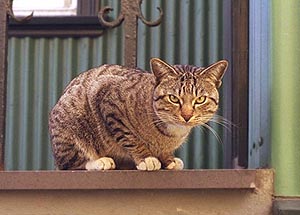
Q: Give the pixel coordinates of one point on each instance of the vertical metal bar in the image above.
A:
(3, 70)
(130, 9)
(227, 88)
(130, 13)
(240, 22)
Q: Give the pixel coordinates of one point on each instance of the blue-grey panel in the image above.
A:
(40, 68)
(259, 85)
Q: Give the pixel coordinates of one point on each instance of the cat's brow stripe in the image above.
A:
(159, 98)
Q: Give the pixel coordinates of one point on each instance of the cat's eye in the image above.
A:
(200, 100)
(174, 99)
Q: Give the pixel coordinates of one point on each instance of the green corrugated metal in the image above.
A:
(39, 69)
(285, 96)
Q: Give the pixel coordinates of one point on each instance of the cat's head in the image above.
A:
(186, 95)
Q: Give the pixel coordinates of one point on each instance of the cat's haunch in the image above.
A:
(116, 117)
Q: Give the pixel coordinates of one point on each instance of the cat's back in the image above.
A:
(105, 71)
(79, 90)
(81, 97)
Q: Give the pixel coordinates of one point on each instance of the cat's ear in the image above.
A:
(215, 72)
(160, 68)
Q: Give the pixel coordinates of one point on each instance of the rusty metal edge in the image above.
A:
(55, 33)
(122, 179)
(3, 71)
(78, 26)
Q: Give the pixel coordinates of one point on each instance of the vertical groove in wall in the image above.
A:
(40, 68)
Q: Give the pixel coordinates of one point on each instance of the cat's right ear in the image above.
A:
(160, 68)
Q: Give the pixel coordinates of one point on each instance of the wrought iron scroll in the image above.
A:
(130, 13)
(10, 12)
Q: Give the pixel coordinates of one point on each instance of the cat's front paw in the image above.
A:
(149, 164)
(177, 164)
(104, 163)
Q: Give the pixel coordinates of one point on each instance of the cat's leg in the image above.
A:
(104, 163)
(171, 163)
(149, 164)
(177, 164)
(143, 158)
(67, 155)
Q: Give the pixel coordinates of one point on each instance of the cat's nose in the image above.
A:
(186, 116)
(186, 112)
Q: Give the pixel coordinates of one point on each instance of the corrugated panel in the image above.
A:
(39, 69)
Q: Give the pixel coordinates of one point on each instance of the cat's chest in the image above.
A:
(168, 138)
(178, 131)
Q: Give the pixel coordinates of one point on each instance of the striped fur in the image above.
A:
(124, 117)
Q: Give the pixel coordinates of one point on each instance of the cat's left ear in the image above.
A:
(160, 68)
(215, 72)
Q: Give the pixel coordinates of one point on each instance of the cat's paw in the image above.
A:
(177, 164)
(104, 163)
(149, 164)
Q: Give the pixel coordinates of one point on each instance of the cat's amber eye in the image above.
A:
(200, 100)
(174, 99)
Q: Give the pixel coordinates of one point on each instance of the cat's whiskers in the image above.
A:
(224, 120)
(218, 120)
(203, 120)
(213, 131)
(226, 126)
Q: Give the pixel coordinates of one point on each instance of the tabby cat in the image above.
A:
(116, 117)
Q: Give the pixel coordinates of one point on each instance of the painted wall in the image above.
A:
(285, 130)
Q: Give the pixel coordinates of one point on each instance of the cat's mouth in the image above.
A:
(180, 120)
(191, 122)
(187, 123)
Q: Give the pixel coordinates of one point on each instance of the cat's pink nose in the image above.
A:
(186, 112)
(186, 116)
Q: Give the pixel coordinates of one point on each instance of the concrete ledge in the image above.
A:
(192, 192)
(120, 179)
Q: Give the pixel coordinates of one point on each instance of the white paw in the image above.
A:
(177, 164)
(104, 163)
(149, 164)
